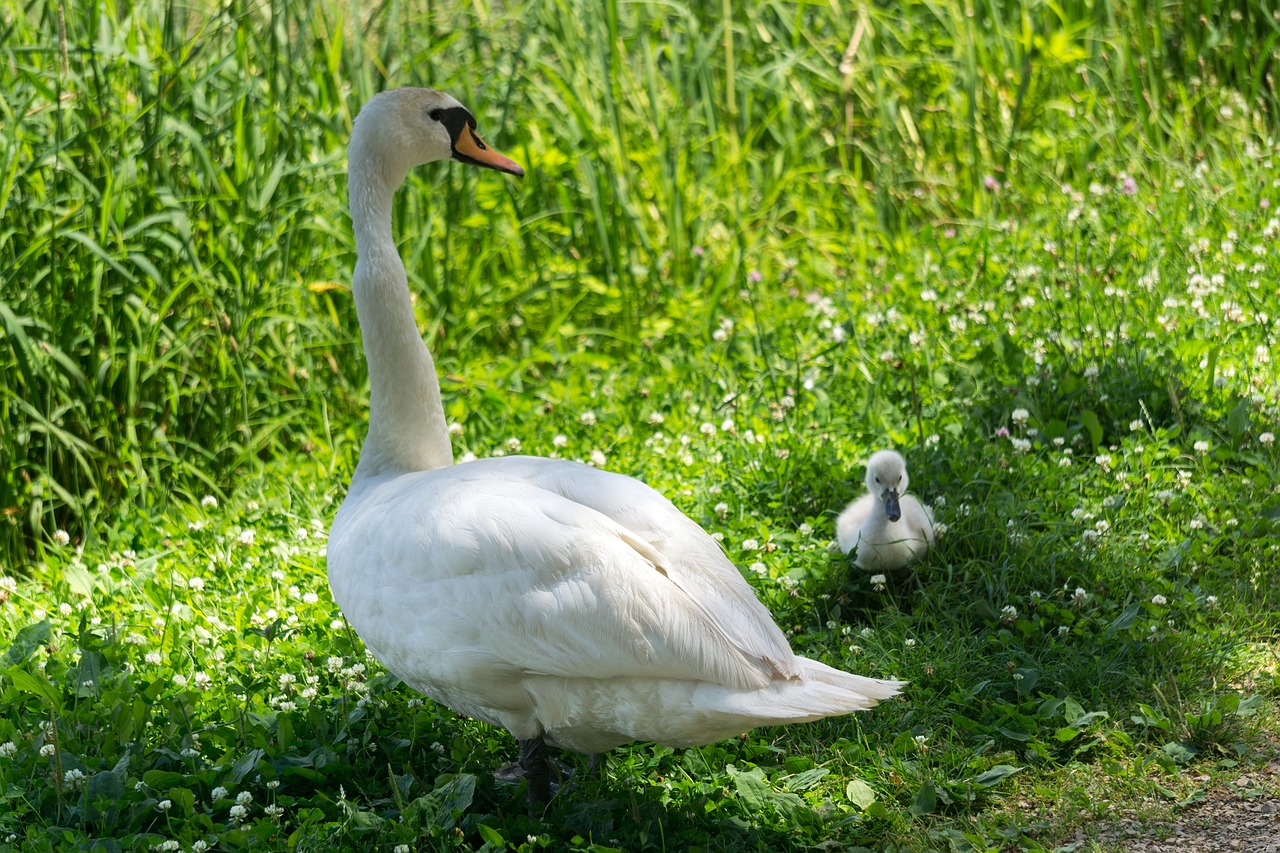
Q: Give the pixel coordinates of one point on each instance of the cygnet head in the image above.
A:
(887, 479)
(403, 128)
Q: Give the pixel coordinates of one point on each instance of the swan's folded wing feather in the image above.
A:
(522, 577)
(676, 545)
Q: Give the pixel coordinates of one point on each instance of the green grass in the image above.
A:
(736, 267)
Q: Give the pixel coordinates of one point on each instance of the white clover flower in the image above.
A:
(588, 417)
(1020, 445)
(199, 846)
(1020, 417)
(758, 568)
(1211, 601)
(273, 811)
(246, 537)
(152, 658)
(180, 679)
(196, 584)
(1201, 447)
(244, 798)
(1091, 372)
(167, 846)
(310, 598)
(455, 428)
(878, 582)
(908, 642)
(7, 749)
(1080, 596)
(46, 750)
(219, 793)
(750, 544)
(1008, 613)
(209, 502)
(656, 418)
(404, 848)
(1135, 425)
(1196, 524)
(1159, 600)
(164, 805)
(513, 444)
(1267, 439)
(61, 537)
(1103, 460)
(721, 508)
(598, 459)
(1102, 525)
(202, 680)
(238, 813)
(805, 528)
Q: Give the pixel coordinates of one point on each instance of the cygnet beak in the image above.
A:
(891, 508)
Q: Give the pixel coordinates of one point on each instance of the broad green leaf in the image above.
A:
(995, 775)
(805, 779)
(1179, 752)
(1126, 619)
(26, 641)
(925, 800)
(860, 794)
(1093, 426)
(245, 765)
(35, 684)
(444, 805)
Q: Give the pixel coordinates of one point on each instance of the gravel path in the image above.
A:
(1241, 817)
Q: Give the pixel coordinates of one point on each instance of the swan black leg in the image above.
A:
(537, 772)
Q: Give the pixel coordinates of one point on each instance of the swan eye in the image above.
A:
(436, 114)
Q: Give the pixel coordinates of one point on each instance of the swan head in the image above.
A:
(887, 479)
(402, 128)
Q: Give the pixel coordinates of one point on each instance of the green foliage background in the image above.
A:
(1034, 245)
(174, 257)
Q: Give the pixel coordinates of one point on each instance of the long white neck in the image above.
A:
(407, 430)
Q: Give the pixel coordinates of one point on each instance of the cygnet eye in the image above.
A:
(436, 114)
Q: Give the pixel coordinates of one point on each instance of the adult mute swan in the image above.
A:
(890, 529)
(558, 601)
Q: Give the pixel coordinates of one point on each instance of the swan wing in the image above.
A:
(508, 567)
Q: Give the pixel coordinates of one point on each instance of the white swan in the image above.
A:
(890, 529)
(544, 596)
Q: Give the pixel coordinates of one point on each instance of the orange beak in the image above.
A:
(470, 148)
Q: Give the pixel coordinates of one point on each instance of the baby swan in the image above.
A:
(890, 529)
